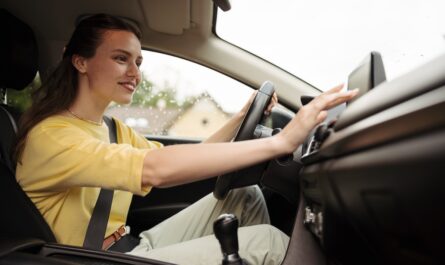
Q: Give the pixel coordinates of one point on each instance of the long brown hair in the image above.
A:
(58, 92)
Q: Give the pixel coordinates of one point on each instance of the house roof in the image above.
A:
(154, 119)
(202, 96)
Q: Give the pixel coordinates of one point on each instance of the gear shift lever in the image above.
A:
(226, 231)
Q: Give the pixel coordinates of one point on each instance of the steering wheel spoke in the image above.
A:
(250, 175)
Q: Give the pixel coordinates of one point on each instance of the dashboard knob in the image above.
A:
(321, 133)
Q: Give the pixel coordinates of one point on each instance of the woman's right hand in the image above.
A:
(310, 116)
(173, 165)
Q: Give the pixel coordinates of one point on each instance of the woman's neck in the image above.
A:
(87, 113)
(88, 107)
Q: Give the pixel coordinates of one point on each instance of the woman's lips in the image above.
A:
(130, 86)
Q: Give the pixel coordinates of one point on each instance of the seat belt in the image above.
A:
(95, 234)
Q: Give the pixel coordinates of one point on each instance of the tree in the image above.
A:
(22, 99)
(147, 96)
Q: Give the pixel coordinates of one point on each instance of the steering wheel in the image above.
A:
(250, 175)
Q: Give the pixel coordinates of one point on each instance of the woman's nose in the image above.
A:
(133, 70)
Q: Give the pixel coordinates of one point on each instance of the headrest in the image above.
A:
(18, 51)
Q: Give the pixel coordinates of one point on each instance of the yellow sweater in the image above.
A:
(65, 163)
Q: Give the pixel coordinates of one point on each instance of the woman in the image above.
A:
(64, 155)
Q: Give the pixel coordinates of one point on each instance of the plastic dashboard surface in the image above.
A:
(374, 184)
(381, 103)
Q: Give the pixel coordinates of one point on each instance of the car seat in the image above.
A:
(19, 53)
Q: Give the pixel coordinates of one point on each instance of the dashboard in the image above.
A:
(367, 75)
(373, 170)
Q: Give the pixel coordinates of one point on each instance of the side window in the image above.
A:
(21, 100)
(179, 98)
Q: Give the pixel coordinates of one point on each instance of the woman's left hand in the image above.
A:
(273, 103)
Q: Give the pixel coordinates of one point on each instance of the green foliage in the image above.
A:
(22, 99)
(147, 96)
(145, 88)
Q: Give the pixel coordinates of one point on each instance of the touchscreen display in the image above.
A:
(367, 75)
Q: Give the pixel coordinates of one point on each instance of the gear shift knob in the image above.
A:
(226, 231)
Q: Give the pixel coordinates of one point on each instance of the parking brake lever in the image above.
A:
(226, 231)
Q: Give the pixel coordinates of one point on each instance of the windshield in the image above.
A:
(322, 41)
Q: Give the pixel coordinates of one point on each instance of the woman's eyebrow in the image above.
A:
(127, 53)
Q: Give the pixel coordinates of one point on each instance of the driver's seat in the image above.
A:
(20, 218)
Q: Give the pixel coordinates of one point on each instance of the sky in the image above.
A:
(320, 41)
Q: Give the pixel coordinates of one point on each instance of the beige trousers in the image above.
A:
(187, 237)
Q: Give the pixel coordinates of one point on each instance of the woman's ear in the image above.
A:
(80, 63)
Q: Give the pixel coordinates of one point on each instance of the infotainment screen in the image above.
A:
(367, 75)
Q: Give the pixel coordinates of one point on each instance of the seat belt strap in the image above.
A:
(95, 234)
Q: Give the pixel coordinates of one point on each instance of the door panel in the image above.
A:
(159, 204)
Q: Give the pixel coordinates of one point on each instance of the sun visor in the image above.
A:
(167, 16)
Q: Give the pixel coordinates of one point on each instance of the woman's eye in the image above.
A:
(121, 58)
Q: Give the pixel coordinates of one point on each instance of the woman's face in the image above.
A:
(113, 72)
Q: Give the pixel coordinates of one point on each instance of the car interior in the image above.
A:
(364, 188)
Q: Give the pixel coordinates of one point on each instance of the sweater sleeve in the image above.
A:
(61, 158)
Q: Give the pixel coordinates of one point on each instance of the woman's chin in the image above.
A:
(123, 101)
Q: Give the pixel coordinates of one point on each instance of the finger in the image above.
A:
(335, 89)
(272, 103)
(330, 101)
(321, 116)
(327, 101)
(340, 98)
(320, 99)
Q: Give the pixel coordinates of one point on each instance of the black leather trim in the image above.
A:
(85, 256)
(16, 244)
